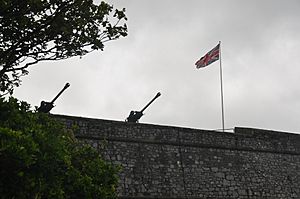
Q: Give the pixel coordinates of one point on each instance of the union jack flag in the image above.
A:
(209, 58)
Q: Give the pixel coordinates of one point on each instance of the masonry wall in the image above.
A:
(171, 162)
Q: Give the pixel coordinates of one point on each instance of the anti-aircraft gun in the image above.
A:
(46, 107)
(134, 116)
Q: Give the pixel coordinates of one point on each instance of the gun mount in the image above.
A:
(46, 107)
(134, 116)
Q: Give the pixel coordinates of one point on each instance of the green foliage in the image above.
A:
(40, 159)
(38, 30)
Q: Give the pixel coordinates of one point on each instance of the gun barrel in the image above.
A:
(156, 96)
(65, 87)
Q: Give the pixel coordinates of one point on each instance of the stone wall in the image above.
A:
(172, 162)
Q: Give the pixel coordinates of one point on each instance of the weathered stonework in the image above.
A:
(171, 162)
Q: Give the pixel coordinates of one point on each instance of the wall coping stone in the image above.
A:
(243, 138)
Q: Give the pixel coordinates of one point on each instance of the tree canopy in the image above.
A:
(40, 159)
(37, 30)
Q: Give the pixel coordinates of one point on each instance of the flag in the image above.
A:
(209, 58)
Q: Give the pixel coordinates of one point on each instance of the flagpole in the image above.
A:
(222, 95)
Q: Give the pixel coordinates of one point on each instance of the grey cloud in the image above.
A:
(260, 47)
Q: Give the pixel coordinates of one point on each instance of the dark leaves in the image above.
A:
(41, 159)
(36, 30)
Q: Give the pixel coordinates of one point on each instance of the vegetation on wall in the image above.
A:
(41, 159)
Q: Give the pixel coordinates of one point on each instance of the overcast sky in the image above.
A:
(260, 59)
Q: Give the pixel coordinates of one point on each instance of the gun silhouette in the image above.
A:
(134, 116)
(46, 107)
